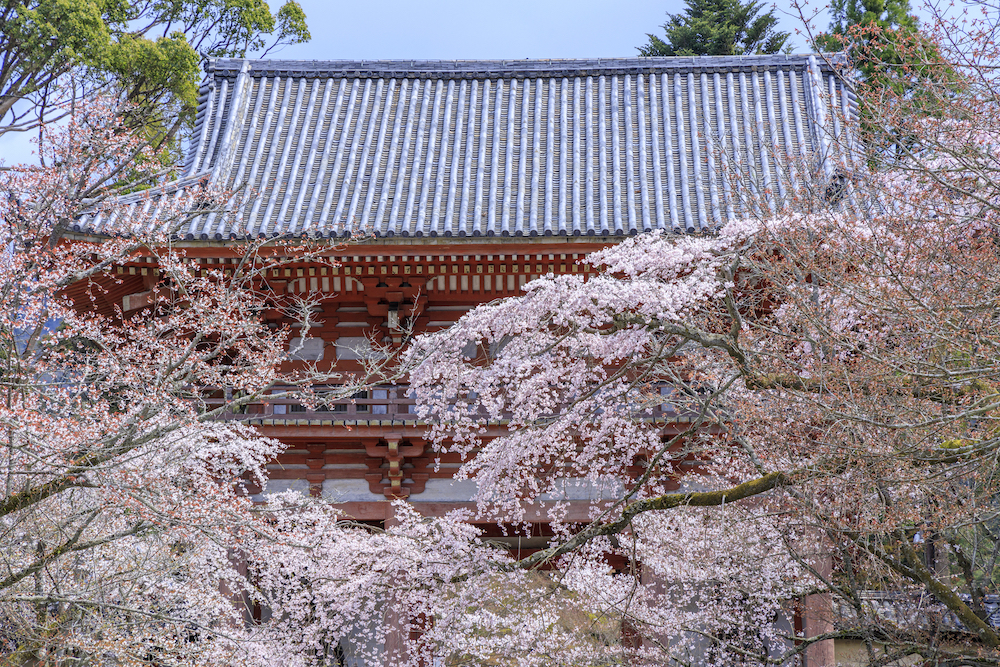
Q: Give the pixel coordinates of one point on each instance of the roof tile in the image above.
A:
(599, 147)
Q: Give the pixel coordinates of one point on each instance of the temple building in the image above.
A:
(440, 185)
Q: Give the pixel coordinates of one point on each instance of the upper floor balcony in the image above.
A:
(394, 404)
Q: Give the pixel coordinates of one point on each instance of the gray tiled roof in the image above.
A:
(481, 148)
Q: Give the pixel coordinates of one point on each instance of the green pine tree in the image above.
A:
(879, 34)
(898, 71)
(884, 13)
(718, 28)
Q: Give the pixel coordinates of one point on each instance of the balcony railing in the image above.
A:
(380, 402)
(393, 402)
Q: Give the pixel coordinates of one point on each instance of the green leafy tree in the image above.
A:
(55, 51)
(718, 28)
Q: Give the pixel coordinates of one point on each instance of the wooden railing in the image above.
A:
(381, 402)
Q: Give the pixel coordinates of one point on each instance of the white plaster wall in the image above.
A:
(585, 489)
(280, 485)
(349, 490)
(451, 490)
(448, 490)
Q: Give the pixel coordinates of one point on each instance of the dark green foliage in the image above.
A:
(886, 14)
(898, 71)
(718, 28)
(879, 34)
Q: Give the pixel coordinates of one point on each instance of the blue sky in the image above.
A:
(503, 29)
(471, 29)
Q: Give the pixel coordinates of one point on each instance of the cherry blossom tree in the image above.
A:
(125, 510)
(793, 417)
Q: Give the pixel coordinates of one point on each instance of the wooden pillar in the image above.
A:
(631, 642)
(818, 618)
(316, 462)
(395, 637)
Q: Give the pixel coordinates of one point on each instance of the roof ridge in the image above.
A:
(548, 66)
